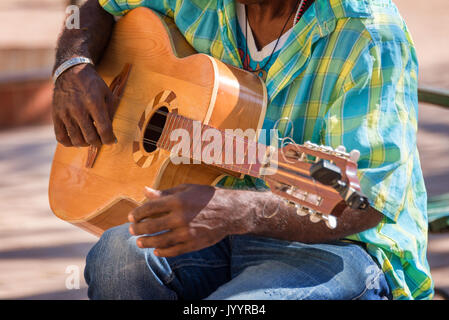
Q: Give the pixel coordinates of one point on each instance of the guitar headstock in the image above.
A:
(318, 180)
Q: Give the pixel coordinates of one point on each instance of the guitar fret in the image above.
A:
(196, 144)
(219, 155)
(241, 157)
(189, 128)
(166, 133)
(187, 125)
(177, 125)
(228, 149)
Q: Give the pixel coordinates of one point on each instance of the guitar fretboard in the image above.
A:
(205, 144)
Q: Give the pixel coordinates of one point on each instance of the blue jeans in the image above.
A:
(240, 267)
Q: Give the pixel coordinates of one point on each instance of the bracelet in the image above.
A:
(69, 64)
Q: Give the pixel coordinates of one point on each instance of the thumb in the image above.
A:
(151, 193)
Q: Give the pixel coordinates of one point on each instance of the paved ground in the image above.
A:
(35, 248)
(40, 256)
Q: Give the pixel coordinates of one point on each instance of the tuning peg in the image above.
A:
(314, 217)
(354, 155)
(330, 221)
(300, 210)
(327, 148)
(290, 203)
(311, 145)
(341, 149)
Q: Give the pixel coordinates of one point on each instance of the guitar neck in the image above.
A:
(200, 143)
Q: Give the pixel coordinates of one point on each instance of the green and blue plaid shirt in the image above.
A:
(347, 75)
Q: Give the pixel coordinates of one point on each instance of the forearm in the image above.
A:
(90, 39)
(195, 217)
(270, 216)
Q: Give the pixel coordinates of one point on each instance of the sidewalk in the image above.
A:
(35, 247)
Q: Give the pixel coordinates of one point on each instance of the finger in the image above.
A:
(103, 122)
(88, 130)
(61, 132)
(150, 226)
(164, 240)
(74, 131)
(152, 193)
(176, 250)
(151, 208)
(111, 102)
(87, 127)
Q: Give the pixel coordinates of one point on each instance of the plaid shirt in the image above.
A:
(347, 75)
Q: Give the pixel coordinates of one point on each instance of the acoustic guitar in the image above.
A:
(163, 86)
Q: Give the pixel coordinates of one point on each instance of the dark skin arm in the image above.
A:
(196, 216)
(80, 96)
(200, 216)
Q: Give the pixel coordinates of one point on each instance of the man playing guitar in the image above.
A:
(343, 72)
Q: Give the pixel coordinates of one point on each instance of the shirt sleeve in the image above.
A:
(121, 7)
(376, 113)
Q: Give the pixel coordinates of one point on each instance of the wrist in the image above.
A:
(69, 64)
(76, 71)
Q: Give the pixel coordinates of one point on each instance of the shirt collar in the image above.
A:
(318, 22)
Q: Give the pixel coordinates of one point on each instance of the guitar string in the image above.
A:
(155, 143)
(155, 127)
(280, 171)
(151, 142)
(276, 163)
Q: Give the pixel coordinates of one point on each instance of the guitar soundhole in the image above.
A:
(153, 129)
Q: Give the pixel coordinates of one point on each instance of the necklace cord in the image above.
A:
(277, 41)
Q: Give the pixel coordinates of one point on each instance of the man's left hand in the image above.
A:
(188, 218)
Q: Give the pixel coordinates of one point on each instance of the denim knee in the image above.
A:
(116, 268)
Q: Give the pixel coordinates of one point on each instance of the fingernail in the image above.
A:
(131, 217)
(152, 191)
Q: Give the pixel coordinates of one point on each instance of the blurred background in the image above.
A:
(41, 256)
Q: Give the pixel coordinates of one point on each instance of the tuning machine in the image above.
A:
(329, 220)
(325, 172)
(356, 199)
(329, 174)
(339, 151)
(315, 217)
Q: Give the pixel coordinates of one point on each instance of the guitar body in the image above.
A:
(166, 75)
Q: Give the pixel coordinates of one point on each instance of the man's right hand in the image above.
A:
(82, 104)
